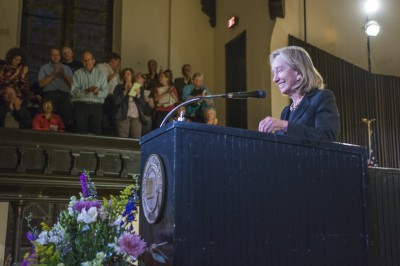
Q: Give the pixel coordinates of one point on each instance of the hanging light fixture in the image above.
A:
(372, 28)
(371, 6)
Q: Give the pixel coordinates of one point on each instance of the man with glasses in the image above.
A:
(89, 89)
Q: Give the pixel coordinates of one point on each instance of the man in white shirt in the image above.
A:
(110, 69)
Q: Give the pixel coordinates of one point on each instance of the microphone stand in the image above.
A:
(193, 100)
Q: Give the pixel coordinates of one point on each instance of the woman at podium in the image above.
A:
(312, 112)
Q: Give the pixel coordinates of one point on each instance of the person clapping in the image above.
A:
(13, 114)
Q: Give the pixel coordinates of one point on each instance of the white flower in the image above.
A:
(99, 259)
(70, 205)
(54, 239)
(102, 214)
(71, 211)
(43, 238)
(89, 216)
(117, 222)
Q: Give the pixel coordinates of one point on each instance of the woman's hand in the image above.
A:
(127, 87)
(271, 125)
(24, 71)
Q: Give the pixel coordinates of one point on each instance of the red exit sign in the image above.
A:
(232, 22)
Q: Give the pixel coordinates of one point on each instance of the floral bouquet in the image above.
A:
(91, 232)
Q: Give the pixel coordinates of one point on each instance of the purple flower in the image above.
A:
(26, 263)
(30, 260)
(84, 185)
(30, 236)
(84, 204)
(131, 244)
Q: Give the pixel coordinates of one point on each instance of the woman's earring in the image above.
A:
(298, 78)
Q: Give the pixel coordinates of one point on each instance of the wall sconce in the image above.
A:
(372, 28)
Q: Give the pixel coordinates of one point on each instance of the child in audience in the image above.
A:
(210, 116)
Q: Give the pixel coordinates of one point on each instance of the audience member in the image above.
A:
(55, 80)
(14, 73)
(2, 66)
(195, 111)
(186, 79)
(12, 112)
(146, 116)
(152, 77)
(127, 108)
(110, 69)
(180, 114)
(47, 120)
(210, 116)
(164, 98)
(69, 60)
(89, 89)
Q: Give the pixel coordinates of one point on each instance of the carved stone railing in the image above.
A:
(37, 164)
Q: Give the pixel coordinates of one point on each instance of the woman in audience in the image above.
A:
(164, 98)
(127, 107)
(147, 112)
(13, 113)
(15, 73)
(47, 120)
(195, 111)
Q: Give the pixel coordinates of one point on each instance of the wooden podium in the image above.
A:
(240, 197)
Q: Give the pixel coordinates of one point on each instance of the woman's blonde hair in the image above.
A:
(299, 60)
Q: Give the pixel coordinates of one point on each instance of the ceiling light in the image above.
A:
(372, 28)
(371, 6)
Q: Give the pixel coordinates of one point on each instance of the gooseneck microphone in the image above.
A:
(259, 94)
(243, 95)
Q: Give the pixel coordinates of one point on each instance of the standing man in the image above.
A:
(89, 89)
(152, 78)
(184, 80)
(110, 70)
(68, 59)
(55, 80)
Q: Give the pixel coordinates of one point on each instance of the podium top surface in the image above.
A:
(245, 133)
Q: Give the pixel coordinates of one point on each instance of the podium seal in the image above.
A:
(153, 188)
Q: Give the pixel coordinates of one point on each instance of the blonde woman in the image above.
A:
(312, 112)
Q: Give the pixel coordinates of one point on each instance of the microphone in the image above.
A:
(259, 94)
(231, 95)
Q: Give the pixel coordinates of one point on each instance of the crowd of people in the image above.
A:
(84, 97)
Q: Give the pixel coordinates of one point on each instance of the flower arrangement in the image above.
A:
(91, 232)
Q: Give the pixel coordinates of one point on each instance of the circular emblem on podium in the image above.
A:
(153, 188)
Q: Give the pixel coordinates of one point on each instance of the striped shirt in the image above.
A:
(84, 79)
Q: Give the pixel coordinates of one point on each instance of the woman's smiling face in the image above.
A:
(284, 76)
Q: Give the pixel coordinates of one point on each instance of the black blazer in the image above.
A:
(121, 103)
(316, 117)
